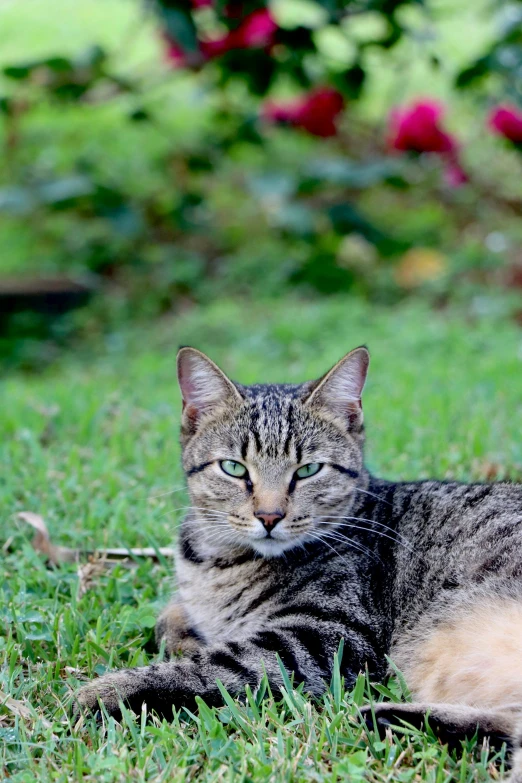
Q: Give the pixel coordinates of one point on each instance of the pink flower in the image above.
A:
(455, 176)
(315, 112)
(507, 121)
(417, 128)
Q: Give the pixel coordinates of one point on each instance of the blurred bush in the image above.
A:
(277, 179)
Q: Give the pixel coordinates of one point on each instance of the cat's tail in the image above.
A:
(515, 775)
(453, 723)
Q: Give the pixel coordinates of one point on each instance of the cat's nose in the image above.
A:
(269, 520)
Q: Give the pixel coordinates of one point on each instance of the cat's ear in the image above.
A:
(340, 390)
(203, 385)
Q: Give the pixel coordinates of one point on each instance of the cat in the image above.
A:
(291, 545)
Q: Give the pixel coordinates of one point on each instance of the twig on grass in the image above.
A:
(96, 559)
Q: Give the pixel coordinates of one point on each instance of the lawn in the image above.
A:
(91, 445)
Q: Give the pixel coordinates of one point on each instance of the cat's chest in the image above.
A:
(226, 603)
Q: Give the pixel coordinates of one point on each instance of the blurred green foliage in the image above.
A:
(164, 179)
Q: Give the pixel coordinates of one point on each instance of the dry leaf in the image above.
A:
(88, 573)
(42, 543)
(19, 709)
(16, 707)
(420, 265)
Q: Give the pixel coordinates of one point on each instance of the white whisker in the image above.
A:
(347, 540)
(164, 494)
(371, 494)
(396, 537)
(200, 508)
(322, 541)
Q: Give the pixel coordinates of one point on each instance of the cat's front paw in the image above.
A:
(110, 690)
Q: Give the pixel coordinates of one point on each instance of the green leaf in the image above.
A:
(340, 171)
(181, 28)
(474, 72)
(351, 81)
(16, 200)
(57, 64)
(297, 219)
(406, 693)
(284, 674)
(64, 190)
(358, 690)
(346, 218)
(384, 691)
(18, 72)
(337, 681)
(272, 184)
(299, 13)
(91, 57)
(234, 709)
(6, 106)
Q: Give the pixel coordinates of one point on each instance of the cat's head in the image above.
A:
(270, 467)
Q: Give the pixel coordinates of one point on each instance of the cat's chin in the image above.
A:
(271, 547)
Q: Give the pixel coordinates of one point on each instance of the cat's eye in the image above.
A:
(305, 471)
(233, 468)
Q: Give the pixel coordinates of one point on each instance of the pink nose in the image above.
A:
(269, 520)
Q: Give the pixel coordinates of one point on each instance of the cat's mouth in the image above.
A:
(277, 540)
(271, 547)
(270, 542)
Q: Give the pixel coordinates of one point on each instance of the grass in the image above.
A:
(91, 445)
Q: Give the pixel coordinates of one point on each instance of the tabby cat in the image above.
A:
(291, 545)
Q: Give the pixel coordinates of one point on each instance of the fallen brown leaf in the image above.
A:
(42, 542)
(88, 573)
(420, 265)
(20, 709)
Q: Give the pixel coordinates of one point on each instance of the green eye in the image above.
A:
(308, 470)
(232, 468)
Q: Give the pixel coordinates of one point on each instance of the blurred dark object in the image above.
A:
(52, 296)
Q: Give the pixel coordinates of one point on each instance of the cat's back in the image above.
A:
(461, 536)
(458, 594)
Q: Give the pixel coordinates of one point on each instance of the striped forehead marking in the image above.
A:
(272, 420)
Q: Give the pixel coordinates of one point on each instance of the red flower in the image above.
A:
(256, 31)
(315, 112)
(211, 49)
(417, 128)
(175, 54)
(507, 122)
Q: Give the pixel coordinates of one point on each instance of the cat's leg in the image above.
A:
(516, 757)
(174, 630)
(451, 723)
(176, 683)
(306, 651)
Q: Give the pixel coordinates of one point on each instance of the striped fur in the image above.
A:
(388, 567)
